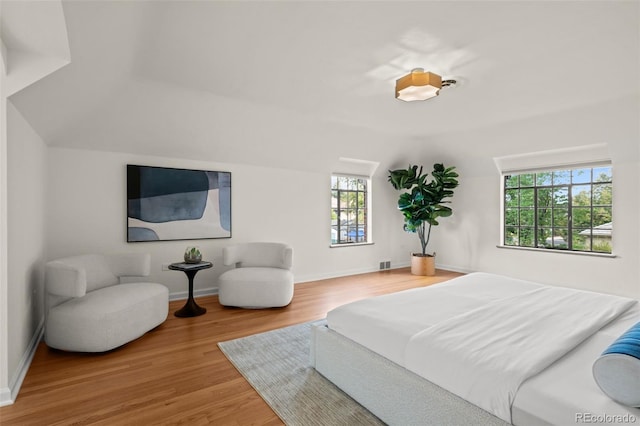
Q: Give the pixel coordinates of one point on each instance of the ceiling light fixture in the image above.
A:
(420, 86)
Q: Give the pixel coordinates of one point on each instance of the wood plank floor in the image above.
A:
(176, 374)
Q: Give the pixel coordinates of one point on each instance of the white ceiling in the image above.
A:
(282, 82)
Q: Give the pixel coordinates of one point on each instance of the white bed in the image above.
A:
(556, 386)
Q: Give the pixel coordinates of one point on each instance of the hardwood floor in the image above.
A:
(176, 374)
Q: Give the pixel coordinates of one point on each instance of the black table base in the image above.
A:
(191, 308)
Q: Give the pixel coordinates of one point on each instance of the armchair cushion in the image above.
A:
(65, 280)
(273, 255)
(256, 287)
(107, 318)
(130, 265)
(94, 269)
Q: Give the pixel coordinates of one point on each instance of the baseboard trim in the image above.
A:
(339, 274)
(5, 397)
(183, 295)
(9, 395)
(453, 268)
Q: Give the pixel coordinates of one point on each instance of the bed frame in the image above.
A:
(394, 394)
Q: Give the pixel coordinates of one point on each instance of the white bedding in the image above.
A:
(386, 325)
(485, 354)
(566, 389)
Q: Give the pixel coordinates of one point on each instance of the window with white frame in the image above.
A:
(559, 209)
(349, 209)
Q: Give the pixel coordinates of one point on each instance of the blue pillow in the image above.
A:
(617, 370)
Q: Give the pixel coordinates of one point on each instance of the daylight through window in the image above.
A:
(561, 209)
(349, 210)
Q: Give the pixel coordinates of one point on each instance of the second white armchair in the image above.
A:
(262, 277)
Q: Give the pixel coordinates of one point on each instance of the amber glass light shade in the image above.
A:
(418, 85)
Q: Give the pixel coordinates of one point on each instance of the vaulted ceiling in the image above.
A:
(282, 82)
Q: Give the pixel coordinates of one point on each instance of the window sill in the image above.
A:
(349, 245)
(579, 253)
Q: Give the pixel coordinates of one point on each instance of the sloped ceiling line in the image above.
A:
(34, 42)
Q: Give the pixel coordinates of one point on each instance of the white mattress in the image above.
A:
(557, 395)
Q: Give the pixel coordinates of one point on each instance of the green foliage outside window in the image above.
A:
(348, 210)
(561, 209)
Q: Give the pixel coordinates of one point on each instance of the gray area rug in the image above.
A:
(276, 364)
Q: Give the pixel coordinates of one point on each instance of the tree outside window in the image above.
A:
(561, 209)
(349, 210)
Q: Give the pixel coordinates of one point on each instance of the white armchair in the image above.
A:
(87, 309)
(262, 277)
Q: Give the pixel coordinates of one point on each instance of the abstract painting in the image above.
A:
(177, 204)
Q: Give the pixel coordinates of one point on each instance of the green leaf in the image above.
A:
(423, 203)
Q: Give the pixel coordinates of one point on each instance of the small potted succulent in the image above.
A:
(192, 255)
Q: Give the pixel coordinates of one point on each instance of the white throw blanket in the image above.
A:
(484, 355)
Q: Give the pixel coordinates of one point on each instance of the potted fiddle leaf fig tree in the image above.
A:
(422, 202)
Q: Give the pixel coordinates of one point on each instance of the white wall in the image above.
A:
(86, 212)
(26, 234)
(5, 392)
(468, 241)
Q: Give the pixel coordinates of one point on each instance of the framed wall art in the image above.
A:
(177, 204)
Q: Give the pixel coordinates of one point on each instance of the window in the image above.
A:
(568, 209)
(349, 209)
